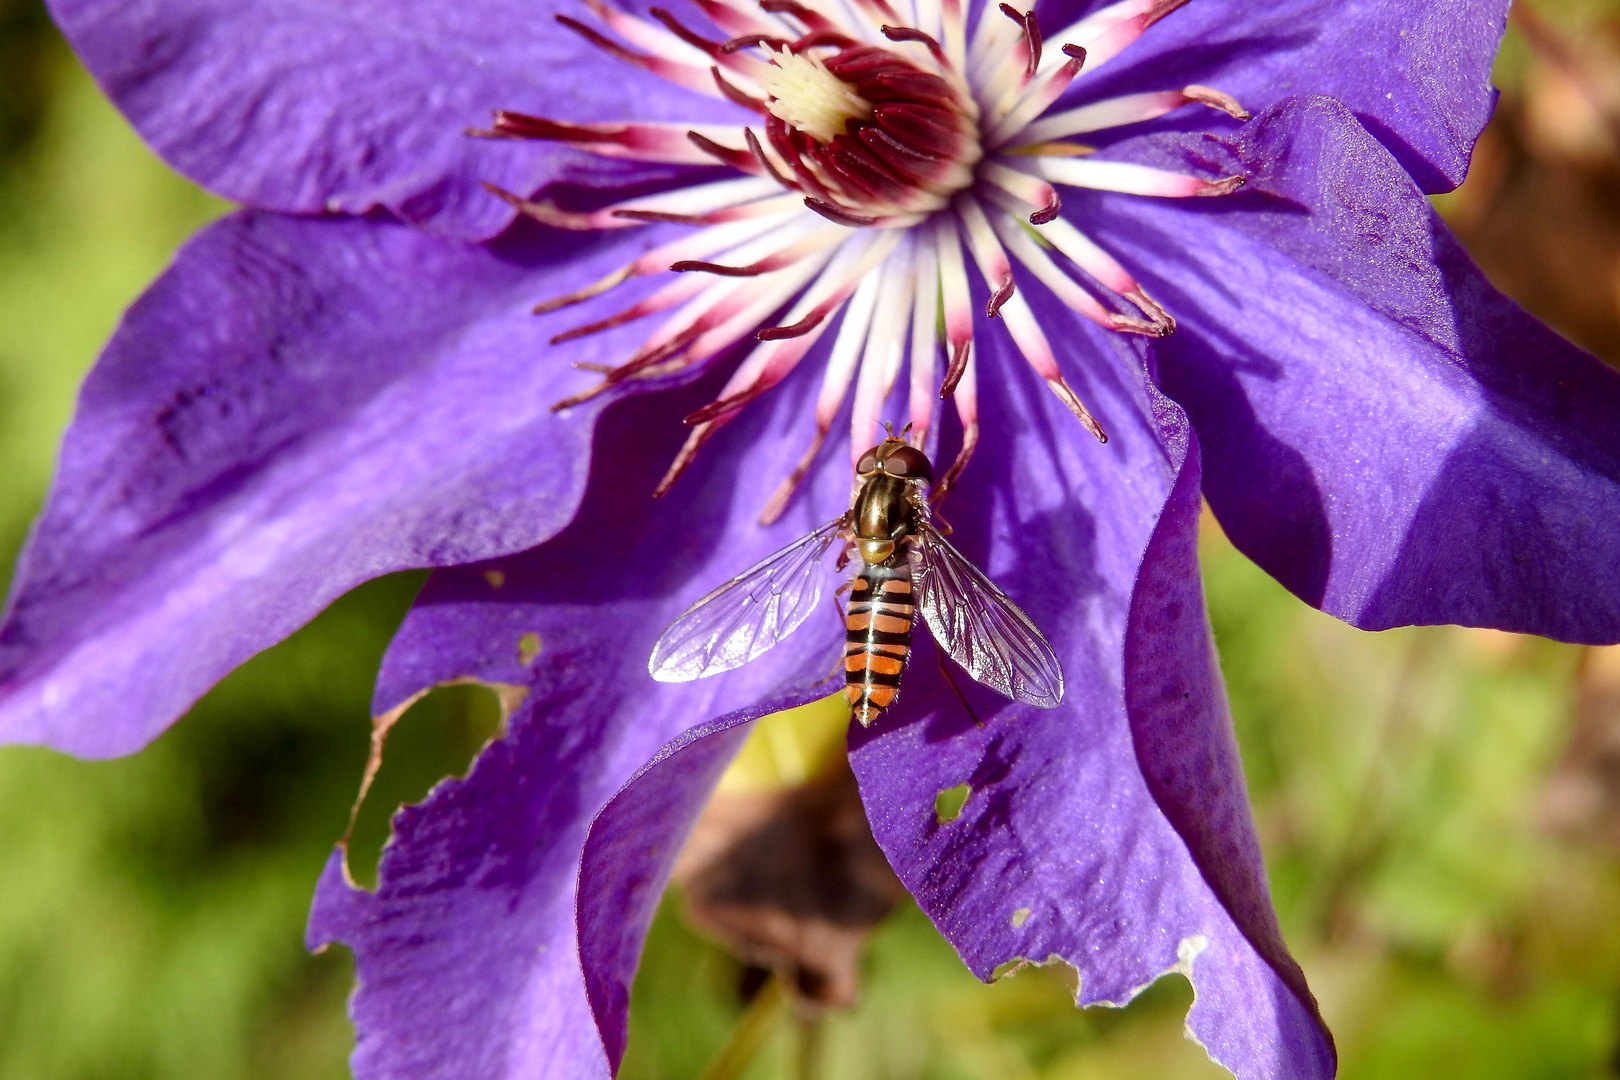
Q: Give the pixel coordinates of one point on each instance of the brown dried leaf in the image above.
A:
(1582, 798)
(1540, 211)
(791, 880)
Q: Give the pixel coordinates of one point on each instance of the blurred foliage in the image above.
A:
(151, 909)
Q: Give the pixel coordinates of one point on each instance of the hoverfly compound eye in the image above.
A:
(868, 463)
(909, 463)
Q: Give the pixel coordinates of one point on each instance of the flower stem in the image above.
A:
(807, 1062)
(755, 1025)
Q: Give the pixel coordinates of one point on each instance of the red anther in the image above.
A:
(516, 125)
(882, 8)
(715, 410)
(911, 168)
(733, 94)
(643, 360)
(882, 142)
(911, 87)
(683, 460)
(1163, 8)
(958, 365)
(879, 171)
(737, 159)
(813, 20)
(629, 314)
(823, 39)
(545, 211)
(748, 41)
(1047, 212)
(911, 33)
(606, 44)
(924, 129)
(848, 177)
(1032, 33)
(751, 270)
(793, 330)
(1003, 294)
(697, 41)
(660, 215)
(839, 215)
(765, 163)
(1075, 52)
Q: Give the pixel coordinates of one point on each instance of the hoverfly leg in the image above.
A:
(834, 599)
(941, 526)
(957, 690)
(844, 553)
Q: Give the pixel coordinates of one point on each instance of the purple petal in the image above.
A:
(295, 407)
(1384, 433)
(1416, 72)
(314, 108)
(1182, 729)
(631, 850)
(466, 957)
(1061, 849)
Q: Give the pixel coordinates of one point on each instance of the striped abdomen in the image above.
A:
(878, 635)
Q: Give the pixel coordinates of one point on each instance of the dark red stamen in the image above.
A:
(608, 45)
(748, 41)
(737, 96)
(660, 215)
(813, 20)
(674, 26)
(882, 8)
(1003, 294)
(887, 144)
(958, 365)
(798, 329)
(824, 39)
(715, 410)
(1047, 212)
(629, 314)
(1032, 34)
(751, 270)
(839, 214)
(911, 33)
(759, 155)
(741, 160)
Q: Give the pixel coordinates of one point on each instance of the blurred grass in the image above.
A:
(151, 909)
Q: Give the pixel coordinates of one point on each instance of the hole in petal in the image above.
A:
(789, 748)
(528, 648)
(948, 804)
(1020, 917)
(437, 735)
(1007, 967)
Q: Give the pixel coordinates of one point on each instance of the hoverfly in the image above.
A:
(889, 525)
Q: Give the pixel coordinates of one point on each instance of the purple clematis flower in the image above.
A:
(345, 380)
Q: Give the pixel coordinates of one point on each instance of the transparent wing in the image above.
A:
(981, 629)
(748, 614)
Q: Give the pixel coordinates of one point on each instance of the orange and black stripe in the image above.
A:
(878, 635)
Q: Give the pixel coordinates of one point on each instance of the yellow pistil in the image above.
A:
(805, 95)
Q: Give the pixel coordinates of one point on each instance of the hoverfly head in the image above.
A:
(904, 462)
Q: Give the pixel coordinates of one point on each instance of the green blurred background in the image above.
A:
(1440, 807)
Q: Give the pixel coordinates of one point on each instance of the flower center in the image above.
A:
(805, 95)
(872, 138)
(881, 165)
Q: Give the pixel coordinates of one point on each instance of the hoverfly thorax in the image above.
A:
(889, 502)
(906, 567)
